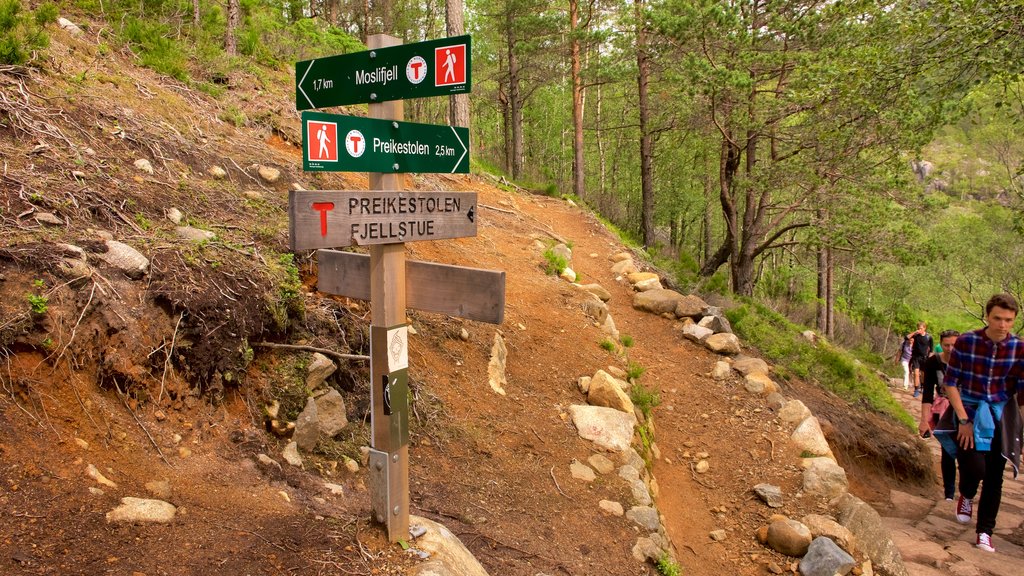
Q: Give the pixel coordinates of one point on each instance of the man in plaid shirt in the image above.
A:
(983, 381)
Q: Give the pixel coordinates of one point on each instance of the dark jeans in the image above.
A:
(948, 475)
(985, 468)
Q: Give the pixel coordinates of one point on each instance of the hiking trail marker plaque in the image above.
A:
(384, 218)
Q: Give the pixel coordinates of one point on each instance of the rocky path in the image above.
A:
(933, 543)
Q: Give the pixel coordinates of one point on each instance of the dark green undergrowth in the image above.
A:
(833, 368)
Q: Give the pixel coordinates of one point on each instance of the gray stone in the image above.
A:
(749, 364)
(596, 290)
(620, 256)
(606, 391)
(623, 268)
(142, 510)
(562, 250)
(608, 428)
(641, 494)
(794, 411)
(823, 477)
(194, 234)
(174, 215)
(609, 329)
(583, 383)
(775, 401)
(724, 343)
(647, 285)
(789, 537)
(690, 306)
(645, 516)
(646, 550)
(496, 366)
(291, 454)
(75, 268)
(809, 438)
(759, 383)
(635, 277)
(721, 371)
(872, 537)
(720, 324)
(320, 368)
(601, 463)
(448, 556)
(331, 414)
(609, 507)
(267, 463)
(568, 274)
(70, 26)
(217, 172)
(144, 165)
(696, 333)
(824, 526)
(657, 301)
(581, 471)
(825, 558)
(769, 494)
(126, 259)
(307, 427)
(268, 174)
(718, 535)
(595, 309)
(49, 219)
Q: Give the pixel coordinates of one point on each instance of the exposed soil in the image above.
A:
(161, 378)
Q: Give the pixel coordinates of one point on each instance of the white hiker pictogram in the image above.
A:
(324, 140)
(449, 66)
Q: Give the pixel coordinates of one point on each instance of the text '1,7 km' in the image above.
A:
(336, 143)
(433, 68)
(329, 218)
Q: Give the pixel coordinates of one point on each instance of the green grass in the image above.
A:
(668, 567)
(555, 263)
(644, 398)
(38, 303)
(627, 340)
(833, 368)
(635, 371)
(608, 344)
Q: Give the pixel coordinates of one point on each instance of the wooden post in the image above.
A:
(389, 463)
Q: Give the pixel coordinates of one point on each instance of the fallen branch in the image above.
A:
(303, 348)
(139, 422)
(555, 480)
(502, 210)
(693, 472)
(167, 359)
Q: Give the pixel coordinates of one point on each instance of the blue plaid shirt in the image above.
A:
(983, 369)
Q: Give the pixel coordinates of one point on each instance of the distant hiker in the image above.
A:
(983, 383)
(903, 358)
(921, 350)
(934, 405)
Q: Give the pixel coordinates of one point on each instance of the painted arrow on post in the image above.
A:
(433, 68)
(336, 143)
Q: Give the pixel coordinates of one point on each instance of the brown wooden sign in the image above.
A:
(337, 218)
(469, 293)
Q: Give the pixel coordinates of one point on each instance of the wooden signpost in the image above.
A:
(384, 218)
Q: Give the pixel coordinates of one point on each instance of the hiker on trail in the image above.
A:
(922, 348)
(983, 383)
(933, 405)
(903, 358)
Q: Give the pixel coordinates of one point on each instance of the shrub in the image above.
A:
(644, 398)
(635, 371)
(608, 345)
(38, 303)
(627, 340)
(22, 32)
(555, 263)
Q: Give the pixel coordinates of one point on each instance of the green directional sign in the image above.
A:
(432, 68)
(336, 143)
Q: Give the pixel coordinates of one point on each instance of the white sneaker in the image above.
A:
(985, 542)
(964, 510)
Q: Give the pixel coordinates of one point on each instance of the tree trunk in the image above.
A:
(822, 313)
(333, 8)
(830, 300)
(577, 102)
(514, 100)
(601, 159)
(458, 104)
(230, 42)
(195, 14)
(646, 142)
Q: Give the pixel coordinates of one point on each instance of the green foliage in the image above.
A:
(608, 344)
(780, 340)
(22, 32)
(156, 48)
(38, 303)
(142, 221)
(233, 116)
(287, 302)
(634, 371)
(626, 340)
(643, 398)
(555, 263)
(668, 567)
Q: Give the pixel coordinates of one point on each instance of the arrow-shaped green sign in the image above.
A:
(432, 68)
(336, 143)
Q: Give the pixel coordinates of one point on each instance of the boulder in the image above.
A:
(657, 301)
(595, 309)
(609, 329)
(696, 333)
(608, 428)
(610, 507)
(794, 411)
(636, 277)
(775, 401)
(126, 259)
(823, 477)
(601, 463)
(872, 536)
(648, 285)
(70, 26)
(596, 290)
(563, 251)
(748, 364)
(568, 274)
(606, 391)
(332, 417)
(217, 172)
(194, 234)
(645, 517)
(769, 494)
(690, 306)
(808, 438)
(760, 384)
(320, 368)
(581, 471)
(307, 427)
(824, 526)
(621, 256)
(825, 558)
(721, 371)
(143, 165)
(269, 174)
(624, 267)
(447, 554)
(723, 344)
(496, 366)
(789, 537)
(142, 510)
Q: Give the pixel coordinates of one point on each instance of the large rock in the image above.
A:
(636, 277)
(496, 365)
(269, 174)
(126, 259)
(824, 526)
(448, 555)
(872, 537)
(769, 494)
(142, 510)
(331, 414)
(696, 333)
(562, 250)
(759, 383)
(194, 234)
(645, 516)
(789, 537)
(609, 329)
(624, 267)
(748, 364)
(909, 506)
(596, 290)
(809, 438)
(608, 428)
(724, 343)
(307, 427)
(794, 411)
(606, 391)
(657, 301)
(718, 323)
(648, 285)
(721, 371)
(690, 306)
(824, 558)
(320, 368)
(595, 309)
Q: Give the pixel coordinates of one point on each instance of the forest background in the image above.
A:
(856, 166)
